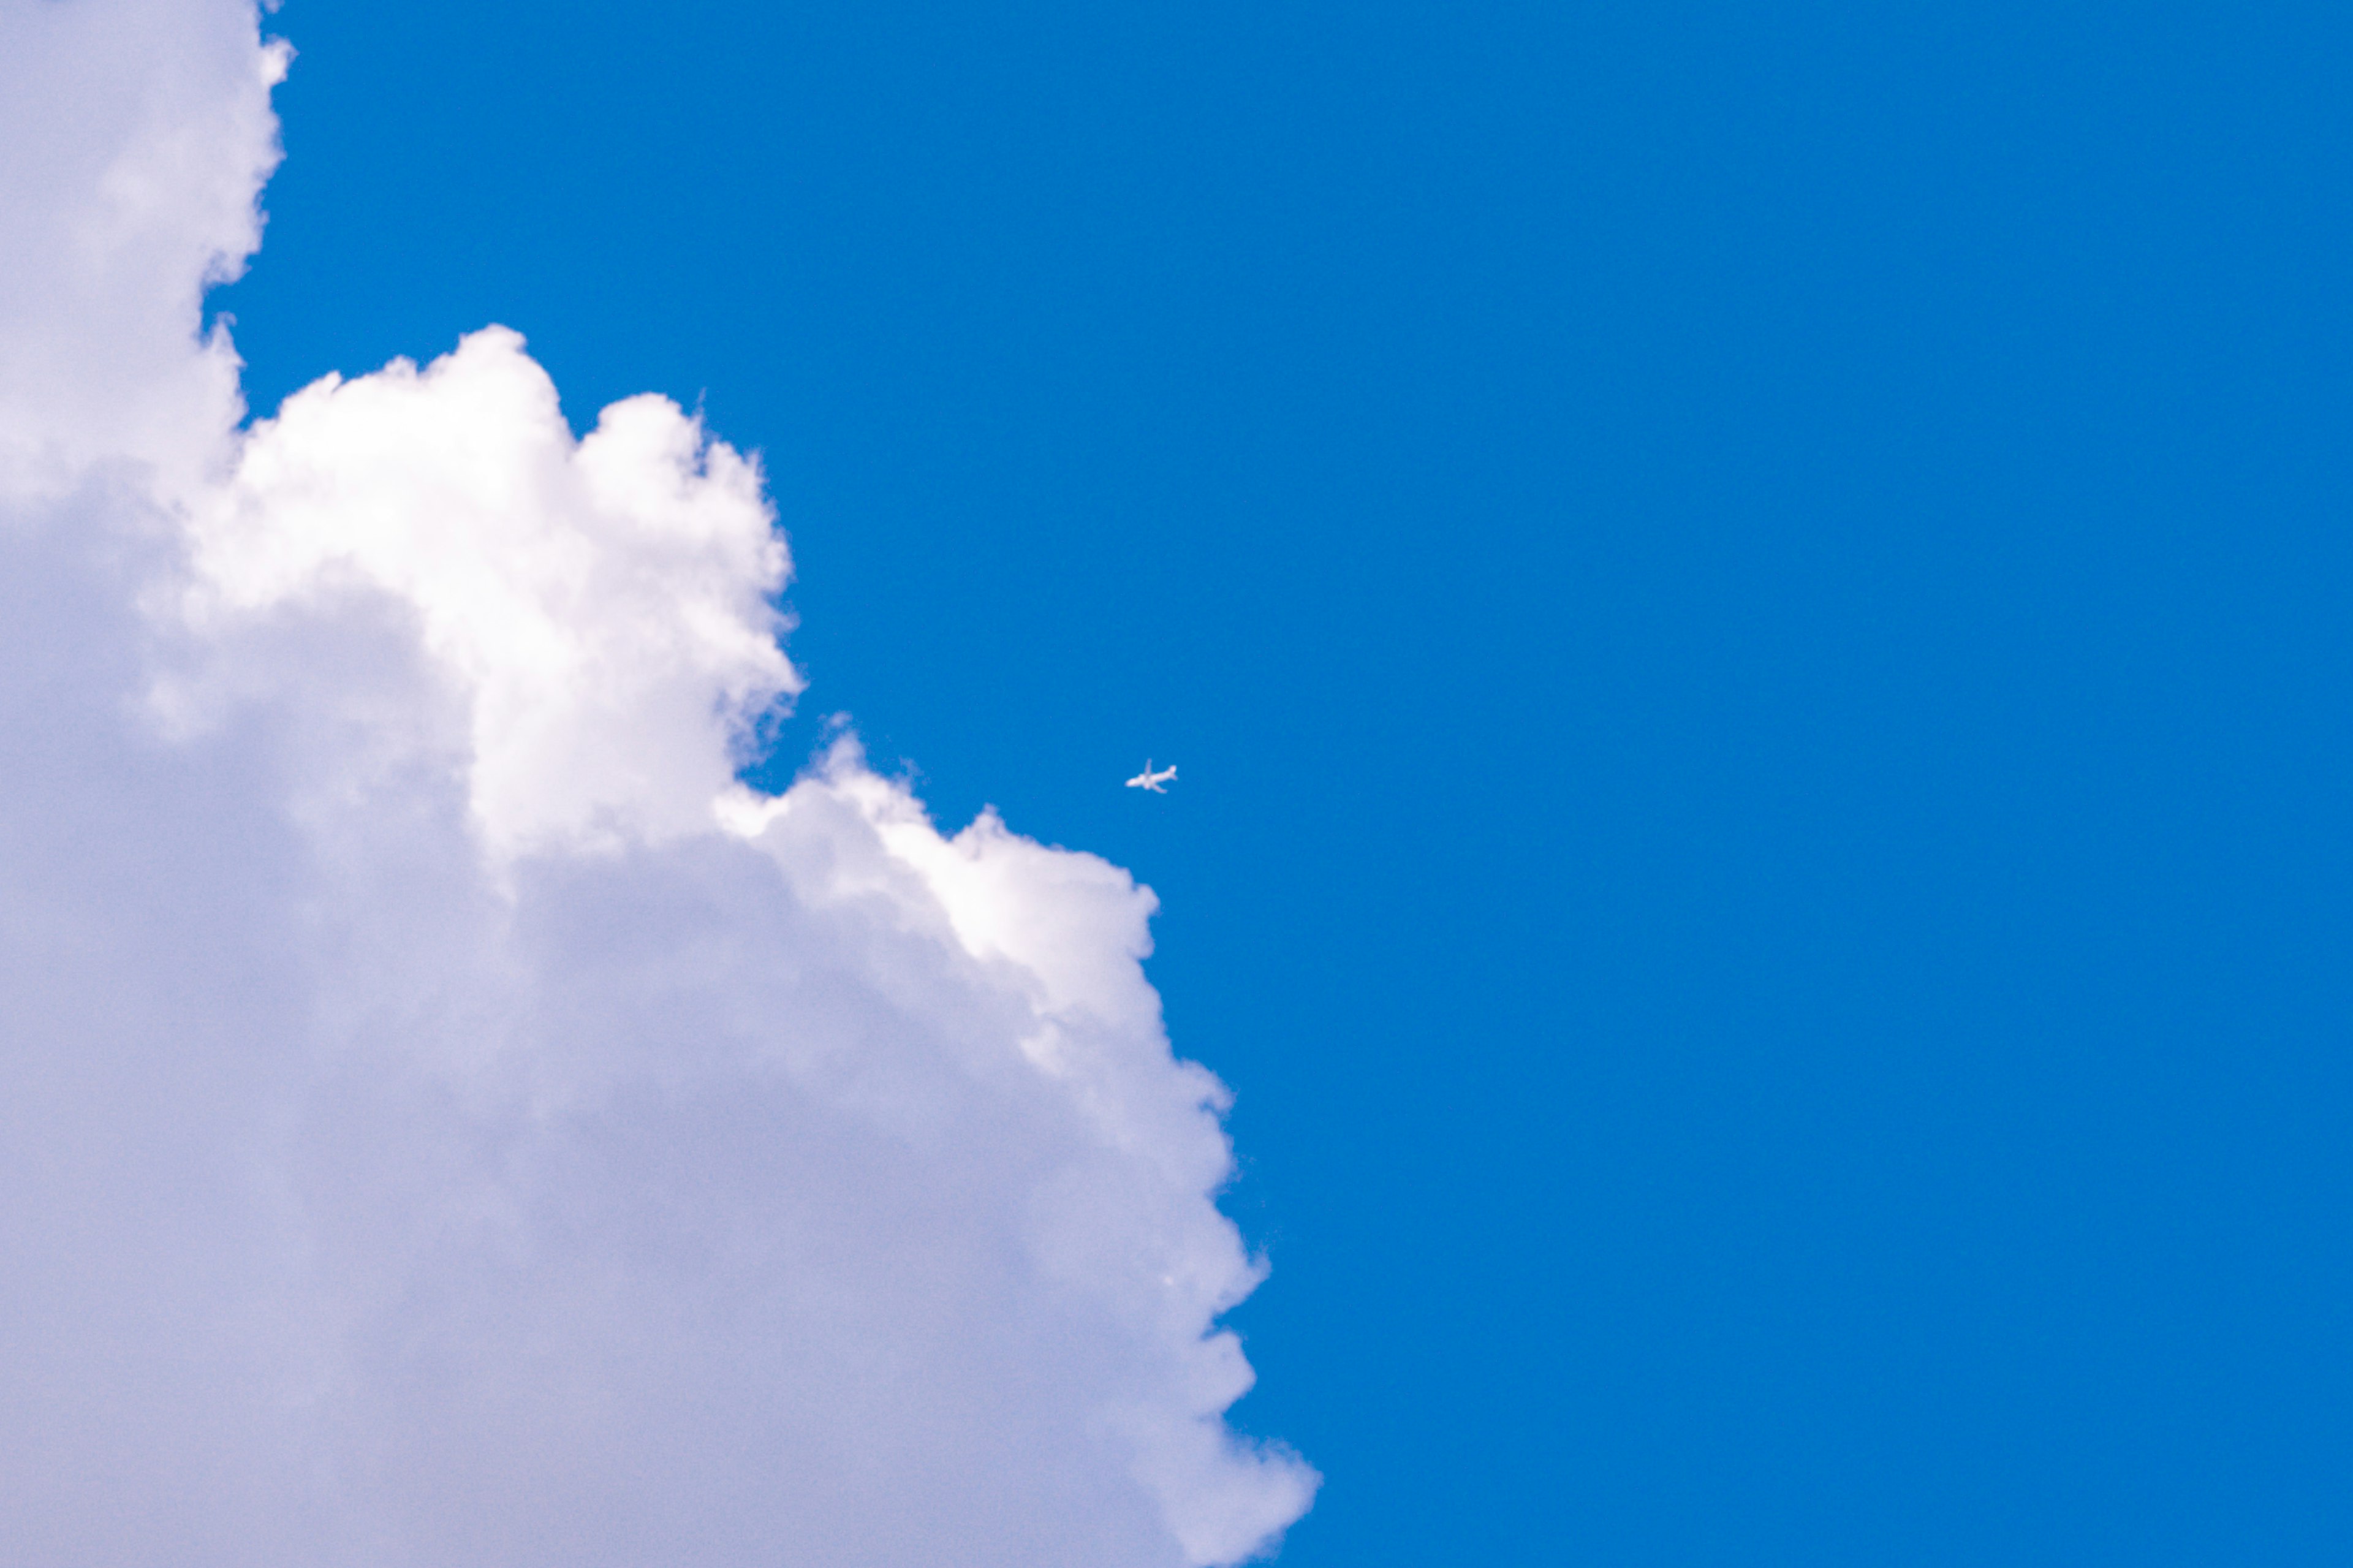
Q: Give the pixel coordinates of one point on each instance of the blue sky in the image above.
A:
(1752, 604)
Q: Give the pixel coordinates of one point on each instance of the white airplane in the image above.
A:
(1157, 782)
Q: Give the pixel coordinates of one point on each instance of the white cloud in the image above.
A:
(137, 131)
(443, 1118)
(602, 607)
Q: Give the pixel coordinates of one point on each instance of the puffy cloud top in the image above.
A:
(603, 607)
(445, 1118)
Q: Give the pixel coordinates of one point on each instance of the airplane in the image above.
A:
(1157, 782)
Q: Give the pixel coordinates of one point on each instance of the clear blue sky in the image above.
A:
(1753, 604)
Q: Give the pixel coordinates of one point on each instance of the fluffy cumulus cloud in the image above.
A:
(444, 1118)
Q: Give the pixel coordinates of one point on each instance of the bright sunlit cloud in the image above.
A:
(444, 1117)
